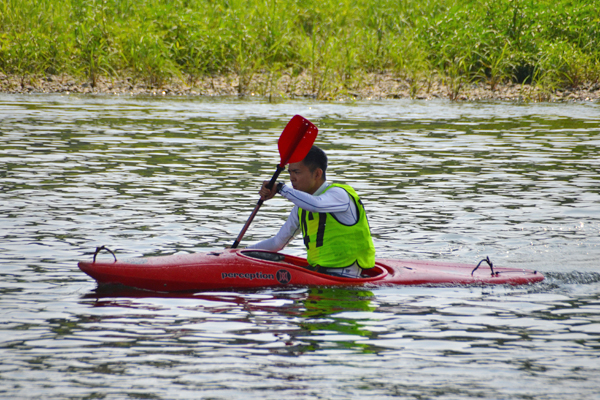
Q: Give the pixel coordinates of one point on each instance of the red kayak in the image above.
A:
(251, 269)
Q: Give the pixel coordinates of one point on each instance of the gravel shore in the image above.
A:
(370, 86)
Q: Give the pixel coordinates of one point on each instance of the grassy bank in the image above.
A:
(333, 44)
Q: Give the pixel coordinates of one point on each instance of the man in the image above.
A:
(331, 217)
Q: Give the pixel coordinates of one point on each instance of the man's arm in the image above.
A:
(335, 201)
(283, 237)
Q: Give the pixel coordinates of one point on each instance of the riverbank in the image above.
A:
(371, 86)
(325, 49)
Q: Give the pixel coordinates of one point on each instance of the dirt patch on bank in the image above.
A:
(369, 86)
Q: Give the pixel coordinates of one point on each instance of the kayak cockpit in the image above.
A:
(275, 257)
(376, 273)
(264, 255)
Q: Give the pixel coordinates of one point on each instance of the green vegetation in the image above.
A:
(552, 44)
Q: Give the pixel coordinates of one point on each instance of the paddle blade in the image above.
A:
(296, 140)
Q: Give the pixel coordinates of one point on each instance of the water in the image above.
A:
(440, 180)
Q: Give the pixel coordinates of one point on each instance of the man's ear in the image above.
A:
(318, 174)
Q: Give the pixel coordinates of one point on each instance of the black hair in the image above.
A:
(316, 158)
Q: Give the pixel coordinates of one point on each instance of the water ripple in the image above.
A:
(442, 180)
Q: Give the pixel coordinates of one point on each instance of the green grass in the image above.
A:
(550, 43)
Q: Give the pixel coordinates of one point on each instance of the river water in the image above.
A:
(440, 180)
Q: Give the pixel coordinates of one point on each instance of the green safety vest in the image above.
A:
(331, 244)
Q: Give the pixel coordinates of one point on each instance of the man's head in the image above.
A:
(316, 158)
(309, 174)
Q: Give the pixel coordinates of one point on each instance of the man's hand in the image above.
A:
(265, 193)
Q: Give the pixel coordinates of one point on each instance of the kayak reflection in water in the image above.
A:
(330, 319)
(331, 217)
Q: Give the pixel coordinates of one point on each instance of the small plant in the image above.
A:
(149, 60)
(94, 52)
(455, 75)
(497, 66)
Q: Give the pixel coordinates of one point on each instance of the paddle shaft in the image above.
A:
(256, 208)
(286, 154)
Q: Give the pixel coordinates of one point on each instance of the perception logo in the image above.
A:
(249, 275)
(283, 276)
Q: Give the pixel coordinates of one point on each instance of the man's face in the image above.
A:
(304, 180)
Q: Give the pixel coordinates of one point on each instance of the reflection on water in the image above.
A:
(518, 183)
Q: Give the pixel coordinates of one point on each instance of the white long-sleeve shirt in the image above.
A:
(335, 201)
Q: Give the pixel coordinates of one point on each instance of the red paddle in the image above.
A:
(294, 143)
